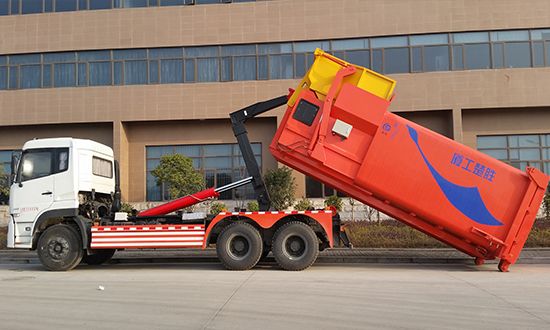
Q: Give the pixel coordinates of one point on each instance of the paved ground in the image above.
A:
(327, 296)
(423, 256)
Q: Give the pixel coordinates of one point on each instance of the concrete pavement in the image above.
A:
(359, 255)
(333, 296)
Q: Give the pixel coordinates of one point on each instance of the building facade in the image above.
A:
(154, 77)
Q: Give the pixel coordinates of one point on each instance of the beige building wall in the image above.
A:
(131, 117)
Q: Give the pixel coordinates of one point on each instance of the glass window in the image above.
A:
(100, 4)
(65, 5)
(529, 140)
(35, 164)
(226, 65)
(102, 167)
(59, 57)
(349, 44)
(220, 164)
(388, 42)
(4, 7)
(517, 55)
(207, 69)
(491, 142)
(204, 51)
(118, 72)
(436, 58)
(82, 4)
(166, 53)
(13, 77)
(280, 66)
(477, 56)
(135, 72)
(189, 70)
(510, 35)
(14, 7)
(171, 71)
(100, 73)
(134, 3)
(31, 6)
(172, 2)
(95, 55)
(359, 57)
(244, 68)
(25, 59)
(396, 60)
(154, 72)
(458, 59)
(30, 76)
(470, 37)
(429, 39)
(263, 68)
(3, 77)
(518, 150)
(62, 160)
(310, 46)
(48, 6)
(538, 54)
(64, 75)
(498, 56)
(540, 34)
(274, 48)
(47, 76)
(130, 54)
(82, 74)
(238, 50)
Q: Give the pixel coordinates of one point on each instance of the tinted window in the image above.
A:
(517, 55)
(100, 73)
(476, 56)
(396, 60)
(65, 5)
(436, 58)
(31, 6)
(100, 4)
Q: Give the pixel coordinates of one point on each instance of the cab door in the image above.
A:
(32, 193)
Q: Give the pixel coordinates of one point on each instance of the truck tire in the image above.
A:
(98, 257)
(60, 248)
(239, 246)
(295, 246)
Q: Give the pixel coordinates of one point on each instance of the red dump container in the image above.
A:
(347, 139)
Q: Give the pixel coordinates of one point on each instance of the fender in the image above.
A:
(81, 222)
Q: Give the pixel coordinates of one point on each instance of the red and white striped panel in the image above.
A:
(275, 212)
(147, 237)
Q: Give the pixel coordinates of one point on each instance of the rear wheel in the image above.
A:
(98, 257)
(239, 246)
(60, 248)
(295, 246)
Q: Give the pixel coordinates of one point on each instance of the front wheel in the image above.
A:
(239, 246)
(60, 248)
(295, 246)
(98, 257)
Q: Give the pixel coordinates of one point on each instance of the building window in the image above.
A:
(398, 54)
(519, 151)
(316, 189)
(220, 164)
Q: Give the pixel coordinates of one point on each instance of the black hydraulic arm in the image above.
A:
(238, 120)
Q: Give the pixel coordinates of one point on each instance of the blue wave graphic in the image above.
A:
(466, 199)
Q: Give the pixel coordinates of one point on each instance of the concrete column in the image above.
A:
(457, 125)
(120, 147)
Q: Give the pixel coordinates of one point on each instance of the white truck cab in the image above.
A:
(57, 179)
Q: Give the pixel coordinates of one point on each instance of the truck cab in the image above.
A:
(57, 180)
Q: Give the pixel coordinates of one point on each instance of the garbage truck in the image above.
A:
(65, 195)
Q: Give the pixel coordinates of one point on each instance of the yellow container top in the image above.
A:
(323, 70)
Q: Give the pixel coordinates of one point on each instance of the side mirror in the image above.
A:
(14, 161)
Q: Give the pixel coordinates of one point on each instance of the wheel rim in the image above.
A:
(58, 249)
(295, 247)
(238, 247)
